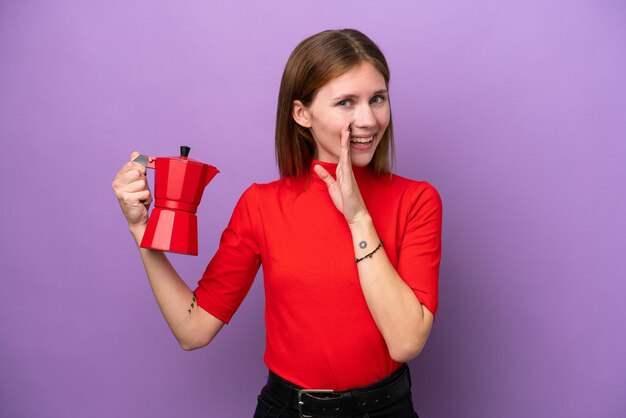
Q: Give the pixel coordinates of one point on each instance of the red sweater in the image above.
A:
(319, 330)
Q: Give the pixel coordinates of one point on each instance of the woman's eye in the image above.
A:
(344, 103)
(377, 99)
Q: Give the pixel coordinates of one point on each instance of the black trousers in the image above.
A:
(269, 406)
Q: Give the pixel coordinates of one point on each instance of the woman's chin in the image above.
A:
(360, 160)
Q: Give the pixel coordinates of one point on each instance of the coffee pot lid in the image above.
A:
(184, 156)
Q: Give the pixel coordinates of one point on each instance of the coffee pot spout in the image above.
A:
(210, 173)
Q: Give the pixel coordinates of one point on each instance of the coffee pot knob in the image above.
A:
(184, 151)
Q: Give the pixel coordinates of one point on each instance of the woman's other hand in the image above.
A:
(344, 190)
(133, 194)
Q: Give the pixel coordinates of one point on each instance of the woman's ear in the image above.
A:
(300, 114)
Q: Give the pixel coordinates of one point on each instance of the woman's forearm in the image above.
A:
(192, 326)
(402, 320)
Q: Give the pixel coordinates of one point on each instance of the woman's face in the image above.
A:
(358, 97)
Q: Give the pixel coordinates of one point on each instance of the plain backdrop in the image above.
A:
(515, 111)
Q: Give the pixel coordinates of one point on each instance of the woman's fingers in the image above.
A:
(132, 190)
(136, 186)
(130, 172)
(344, 167)
(134, 155)
(323, 174)
(143, 197)
(344, 173)
(333, 186)
(133, 174)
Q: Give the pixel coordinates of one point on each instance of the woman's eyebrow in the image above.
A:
(354, 96)
(344, 97)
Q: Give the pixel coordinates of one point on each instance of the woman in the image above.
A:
(350, 252)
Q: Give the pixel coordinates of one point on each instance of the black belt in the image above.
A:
(327, 403)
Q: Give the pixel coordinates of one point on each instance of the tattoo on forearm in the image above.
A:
(380, 245)
(193, 303)
(362, 245)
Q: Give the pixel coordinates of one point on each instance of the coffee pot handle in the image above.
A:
(145, 161)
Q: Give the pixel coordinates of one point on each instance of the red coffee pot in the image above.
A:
(178, 186)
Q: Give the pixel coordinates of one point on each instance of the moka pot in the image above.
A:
(179, 183)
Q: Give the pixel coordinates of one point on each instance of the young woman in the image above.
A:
(350, 252)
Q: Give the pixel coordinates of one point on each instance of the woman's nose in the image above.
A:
(364, 117)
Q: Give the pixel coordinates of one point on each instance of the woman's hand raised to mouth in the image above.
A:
(344, 190)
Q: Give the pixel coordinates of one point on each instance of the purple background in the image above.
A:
(515, 111)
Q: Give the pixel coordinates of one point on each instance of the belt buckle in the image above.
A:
(301, 403)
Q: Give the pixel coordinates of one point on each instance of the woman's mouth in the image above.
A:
(361, 143)
(358, 140)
